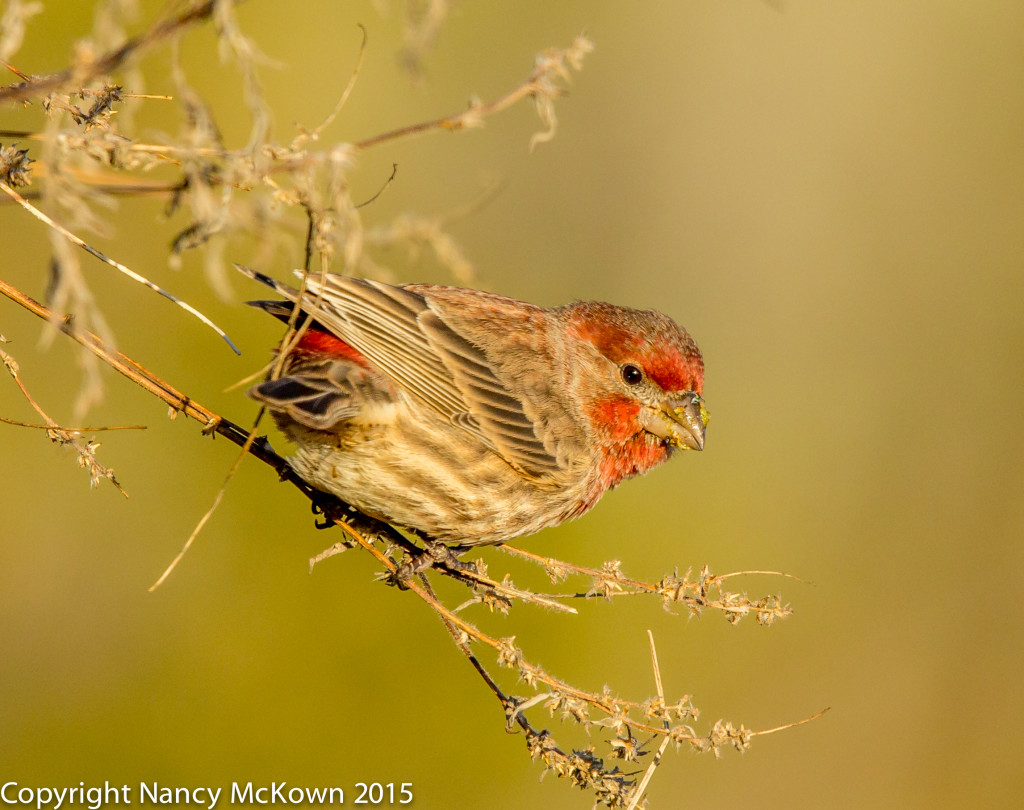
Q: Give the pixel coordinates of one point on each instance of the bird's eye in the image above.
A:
(632, 375)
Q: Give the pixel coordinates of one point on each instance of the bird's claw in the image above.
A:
(318, 505)
(433, 554)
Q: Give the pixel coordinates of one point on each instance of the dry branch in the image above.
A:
(81, 74)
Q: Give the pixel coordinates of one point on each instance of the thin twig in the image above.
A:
(179, 402)
(382, 189)
(16, 423)
(654, 665)
(638, 792)
(478, 110)
(14, 195)
(791, 725)
(82, 74)
(315, 134)
(551, 563)
(213, 507)
(503, 646)
(24, 77)
(610, 582)
(86, 451)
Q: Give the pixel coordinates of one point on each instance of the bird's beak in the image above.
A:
(680, 421)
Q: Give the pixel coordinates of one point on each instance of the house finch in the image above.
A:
(472, 417)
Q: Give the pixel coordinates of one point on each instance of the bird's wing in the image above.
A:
(317, 395)
(412, 344)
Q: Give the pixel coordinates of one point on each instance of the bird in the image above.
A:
(470, 417)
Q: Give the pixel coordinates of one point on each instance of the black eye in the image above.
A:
(632, 375)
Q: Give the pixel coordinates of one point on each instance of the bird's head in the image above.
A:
(640, 382)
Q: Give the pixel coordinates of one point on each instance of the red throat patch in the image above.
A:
(635, 456)
(626, 451)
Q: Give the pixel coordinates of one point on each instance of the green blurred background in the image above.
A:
(828, 195)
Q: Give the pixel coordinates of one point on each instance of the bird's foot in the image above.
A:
(433, 553)
(321, 503)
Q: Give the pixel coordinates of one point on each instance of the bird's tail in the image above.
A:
(282, 289)
(282, 310)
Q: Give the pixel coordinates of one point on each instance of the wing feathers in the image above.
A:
(310, 399)
(401, 335)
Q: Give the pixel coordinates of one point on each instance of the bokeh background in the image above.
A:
(830, 196)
